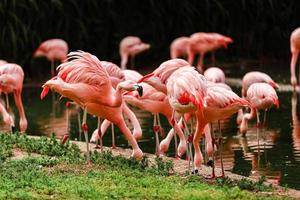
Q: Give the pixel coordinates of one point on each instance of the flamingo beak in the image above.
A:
(139, 89)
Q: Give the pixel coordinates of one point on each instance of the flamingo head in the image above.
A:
(131, 86)
(224, 41)
(39, 52)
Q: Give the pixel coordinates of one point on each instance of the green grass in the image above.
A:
(59, 176)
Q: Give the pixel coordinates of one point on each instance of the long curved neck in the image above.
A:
(245, 119)
(117, 98)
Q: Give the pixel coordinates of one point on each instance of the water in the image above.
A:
(278, 160)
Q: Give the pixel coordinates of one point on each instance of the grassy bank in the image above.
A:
(55, 171)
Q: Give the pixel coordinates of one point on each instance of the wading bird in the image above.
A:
(53, 50)
(295, 47)
(178, 47)
(11, 81)
(201, 43)
(83, 80)
(130, 46)
(262, 96)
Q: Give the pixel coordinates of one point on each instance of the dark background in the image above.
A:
(260, 28)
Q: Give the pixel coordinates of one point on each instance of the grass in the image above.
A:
(57, 175)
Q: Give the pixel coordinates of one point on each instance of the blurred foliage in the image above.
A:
(260, 28)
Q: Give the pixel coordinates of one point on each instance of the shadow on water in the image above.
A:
(278, 157)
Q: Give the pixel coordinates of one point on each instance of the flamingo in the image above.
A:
(116, 75)
(178, 47)
(130, 46)
(188, 91)
(295, 47)
(156, 102)
(215, 75)
(11, 81)
(3, 62)
(83, 80)
(250, 78)
(159, 77)
(53, 49)
(201, 43)
(261, 96)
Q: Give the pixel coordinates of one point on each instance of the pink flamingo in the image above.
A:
(250, 78)
(83, 80)
(179, 46)
(215, 75)
(130, 46)
(188, 91)
(201, 43)
(116, 75)
(11, 81)
(261, 96)
(159, 77)
(295, 47)
(53, 49)
(156, 102)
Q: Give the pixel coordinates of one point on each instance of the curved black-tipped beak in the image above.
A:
(139, 89)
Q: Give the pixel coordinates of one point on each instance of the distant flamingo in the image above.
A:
(179, 46)
(201, 43)
(83, 80)
(215, 75)
(11, 81)
(295, 48)
(53, 50)
(130, 46)
(261, 96)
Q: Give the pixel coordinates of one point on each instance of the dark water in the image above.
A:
(277, 157)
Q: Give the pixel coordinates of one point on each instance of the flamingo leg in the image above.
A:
(155, 129)
(19, 105)
(7, 102)
(161, 130)
(293, 68)
(221, 148)
(175, 136)
(79, 125)
(200, 63)
(132, 62)
(85, 131)
(211, 161)
(66, 136)
(257, 134)
(100, 135)
(8, 111)
(186, 133)
(113, 145)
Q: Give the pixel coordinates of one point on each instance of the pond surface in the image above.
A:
(277, 157)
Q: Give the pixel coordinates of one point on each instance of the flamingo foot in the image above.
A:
(97, 146)
(178, 157)
(137, 154)
(65, 138)
(89, 163)
(113, 146)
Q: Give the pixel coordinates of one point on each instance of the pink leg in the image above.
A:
(198, 158)
(293, 68)
(137, 152)
(85, 131)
